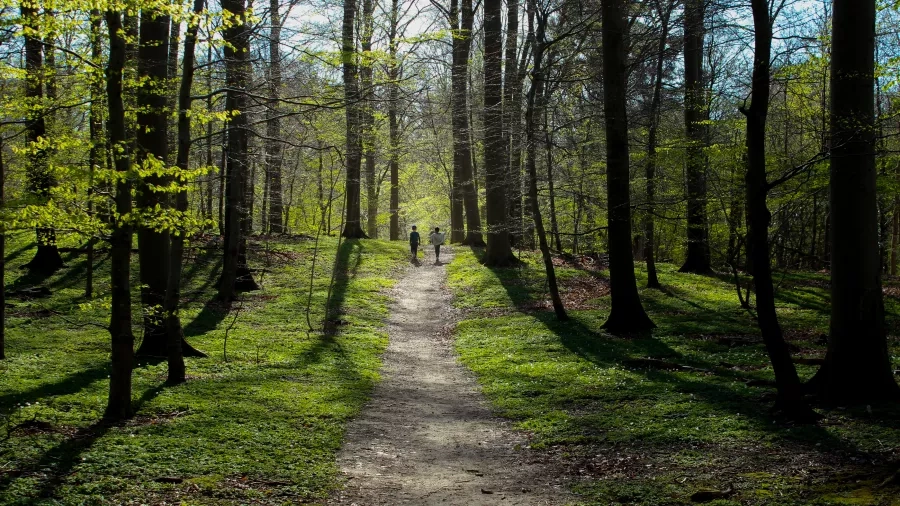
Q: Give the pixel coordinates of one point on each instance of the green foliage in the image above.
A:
(262, 426)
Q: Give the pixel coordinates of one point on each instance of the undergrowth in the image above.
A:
(653, 420)
(262, 426)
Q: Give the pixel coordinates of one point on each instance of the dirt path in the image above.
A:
(426, 436)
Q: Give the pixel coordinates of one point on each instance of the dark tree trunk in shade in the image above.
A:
(457, 227)
(95, 155)
(533, 113)
(551, 189)
(698, 256)
(122, 350)
(353, 155)
(498, 252)
(151, 151)
(790, 395)
(857, 364)
(627, 314)
(274, 150)
(39, 178)
(174, 345)
(664, 11)
(393, 123)
(237, 74)
(462, 140)
(512, 124)
(2, 260)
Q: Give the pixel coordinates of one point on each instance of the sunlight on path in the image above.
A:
(426, 436)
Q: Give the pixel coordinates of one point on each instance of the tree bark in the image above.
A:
(857, 364)
(393, 124)
(95, 156)
(627, 314)
(367, 117)
(664, 12)
(274, 150)
(698, 256)
(2, 260)
(498, 252)
(790, 395)
(40, 180)
(152, 147)
(119, 401)
(236, 79)
(353, 156)
(462, 135)
(534, 111)
(512, 119)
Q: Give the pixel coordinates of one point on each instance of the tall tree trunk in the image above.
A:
(790, 396)
(152, 147)
(457, 228)
(2, 260)
(895, 236)
(627, 314)
(274, 150)
(462, 135)
(119, 401)
(533, 112)
(95, 156)
(393, 124)
(498, 253)
(551, 189)
(857, 364)
(174, 348)
(237, 77)
(40, 180)
(353, 156)
(698, 256)
(512, 124)
(367, 117)
(664, 11)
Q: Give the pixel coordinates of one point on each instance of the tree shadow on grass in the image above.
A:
(346, 267)
(48, 473)
(708, 382)
(12, 255)
(71, 384)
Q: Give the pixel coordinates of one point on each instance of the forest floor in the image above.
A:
(641, 420)
(427, 435)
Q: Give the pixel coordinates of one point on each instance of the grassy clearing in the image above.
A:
(261, 427)
(645, 435)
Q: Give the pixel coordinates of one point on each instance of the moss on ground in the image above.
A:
(262, 426)
(642, 434)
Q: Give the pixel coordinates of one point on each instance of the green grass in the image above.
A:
(262, 426)
(651, 436)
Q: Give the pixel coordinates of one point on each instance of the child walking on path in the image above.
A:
(437, 238)
(414, 243)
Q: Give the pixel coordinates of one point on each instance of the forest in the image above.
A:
(207, 297)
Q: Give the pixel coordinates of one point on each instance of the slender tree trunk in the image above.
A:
(2, 260)
(237, 164)
(274, 150)
(498, 253)
(95, 156)
(457, 74)
(367, 117)
(895, 236)
(393, 123)
(857, 364)
(664, 11)
(512, 124)
(627, 314)
(534, 111)
(790, 396)
(119, 402)
(698, 256)
(175, 350)
(551, 189)
(152, 147)
(462, 135)
(353, 156)
(40, 180)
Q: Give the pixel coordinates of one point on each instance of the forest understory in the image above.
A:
(639, 420)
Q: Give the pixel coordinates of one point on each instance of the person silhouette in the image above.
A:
(437, 238)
